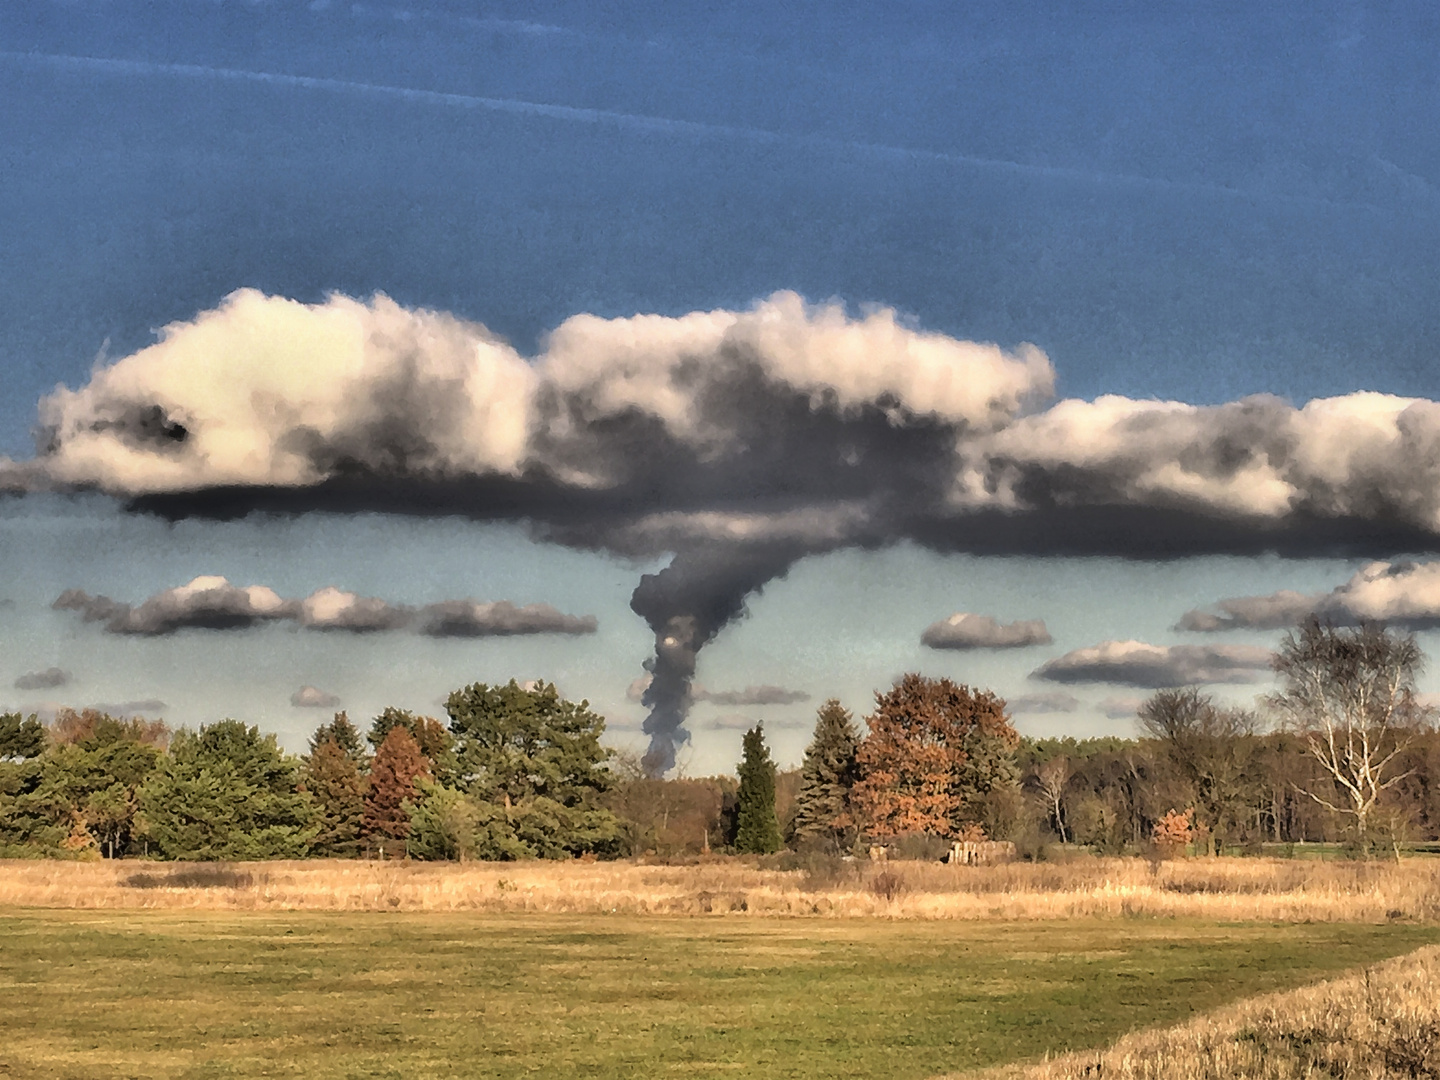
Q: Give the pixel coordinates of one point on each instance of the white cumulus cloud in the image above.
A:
(1404, 594)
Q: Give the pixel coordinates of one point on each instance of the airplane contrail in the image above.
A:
(664, 125)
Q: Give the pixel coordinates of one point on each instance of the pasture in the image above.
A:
(185, 992)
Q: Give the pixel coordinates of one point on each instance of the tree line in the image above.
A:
(1342, 751)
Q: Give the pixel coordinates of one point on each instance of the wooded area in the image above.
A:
(1341, 753)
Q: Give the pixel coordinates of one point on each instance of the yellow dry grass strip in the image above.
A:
(1217, 889)
(1379, 1024)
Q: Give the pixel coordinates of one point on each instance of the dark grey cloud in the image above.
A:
(965, 630)
(312, 697)
(1404, 594)
(500, 618)
(1042, 704)
(48, 679)
(736, 442)
(1135, 663)
(212, 603)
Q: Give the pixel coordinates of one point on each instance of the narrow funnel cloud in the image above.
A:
(686, 605)
(735, 442)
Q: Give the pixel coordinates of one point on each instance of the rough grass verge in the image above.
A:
(1382, 1023)
(1273, 890)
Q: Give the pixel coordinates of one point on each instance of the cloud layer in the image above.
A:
(736, 441)
(1403, 594)
(212, 603)
(1151, 667)
(964, 630)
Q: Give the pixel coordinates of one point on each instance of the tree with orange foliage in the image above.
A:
(1173, 833)
(430, 735)
(397, 766)
(935, 751)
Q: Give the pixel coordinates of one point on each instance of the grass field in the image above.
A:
(171, 993)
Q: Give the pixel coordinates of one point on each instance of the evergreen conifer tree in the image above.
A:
(533, 765)
(332, 777)
(757, 830)
(344, 734)
(227, 792)
(822, 805)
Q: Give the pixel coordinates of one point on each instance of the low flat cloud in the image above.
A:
(1272, 612)
(212, 603)
(1041, 704)
(752, 695)
(500, 618)
(1136, 663)
(312, 697)
(765, 694)
(1121, 708)
(965, 630)
(335, 609)
(742, 722)
(1403, 594)
(148, 707)
(48, 679)
(206, 603)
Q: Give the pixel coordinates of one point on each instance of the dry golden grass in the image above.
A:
(1380, 1024)
(1224, 889)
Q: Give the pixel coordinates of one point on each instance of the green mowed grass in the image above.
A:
(226, 994)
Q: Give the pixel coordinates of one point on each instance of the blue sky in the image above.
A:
(1196, 205)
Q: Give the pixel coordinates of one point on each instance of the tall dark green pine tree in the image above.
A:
(822, 805)
(757, 830)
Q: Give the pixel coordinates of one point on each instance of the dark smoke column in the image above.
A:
(686, 605)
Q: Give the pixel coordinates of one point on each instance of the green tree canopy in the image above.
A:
(343, 734)
(91, 786)
(23, 824)
(227, 792)
(537, 757)
(757, 831)
(822, 805)
(21, 737)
